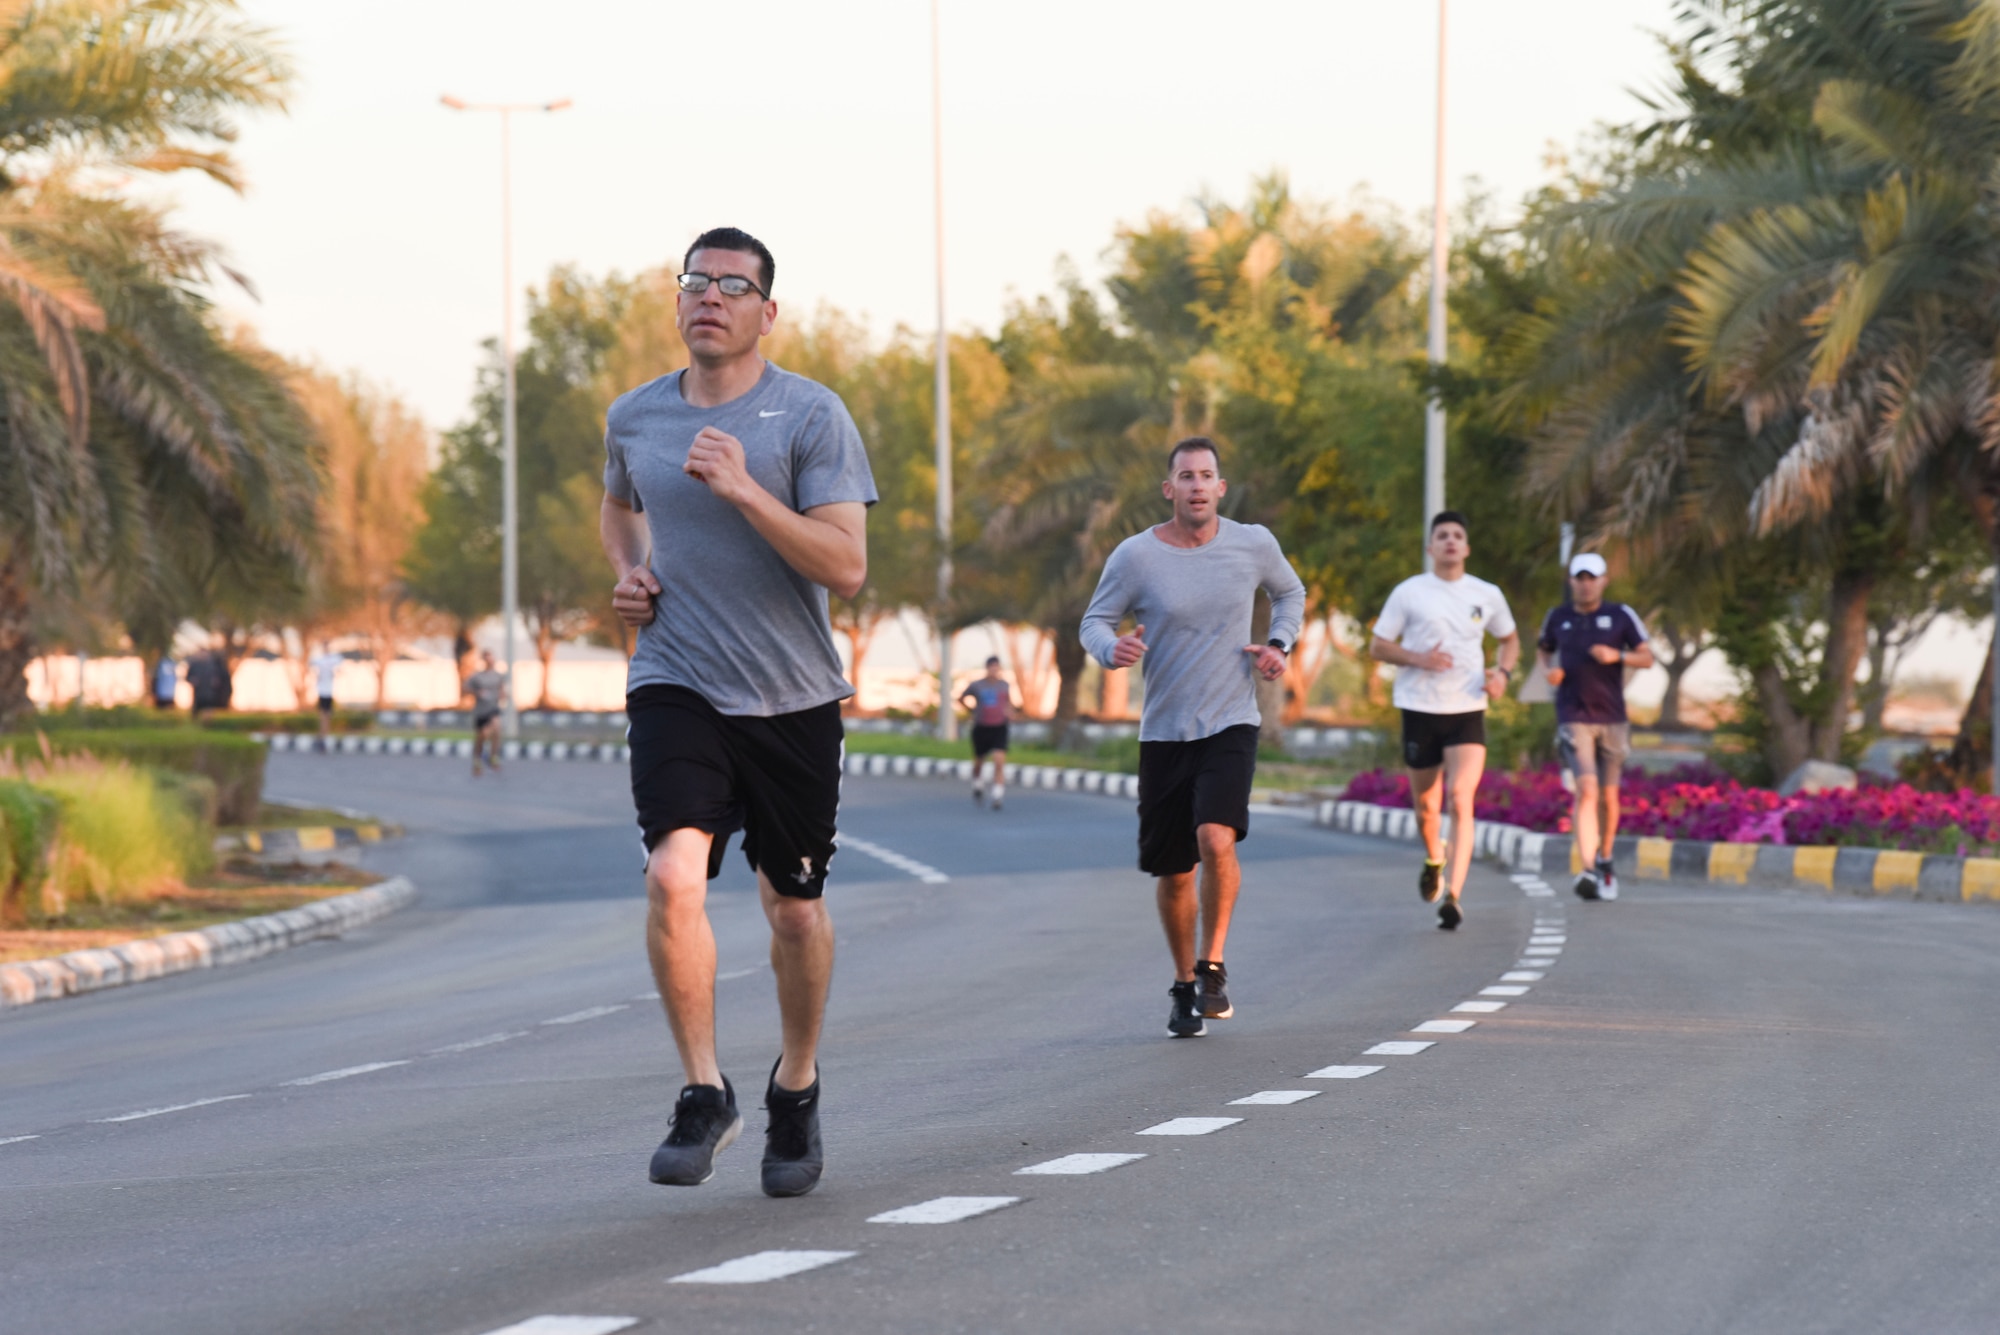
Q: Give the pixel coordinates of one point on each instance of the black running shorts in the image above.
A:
(1425, 736)
(777, 779)
(1185, 785)
(987, 738)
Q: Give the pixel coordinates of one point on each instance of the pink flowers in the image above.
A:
(1701, 802)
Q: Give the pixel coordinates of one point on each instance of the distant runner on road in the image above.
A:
(1433, 628)
(325, 666)
(485, 688)
(735, 497)
(992, 701)
(1585, 645)
(1190, 585)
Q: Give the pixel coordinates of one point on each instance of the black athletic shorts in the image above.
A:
(1184, 785)
(777, 779)
(988, 737)
(326, 704)
(1425, 736)
(483, 717)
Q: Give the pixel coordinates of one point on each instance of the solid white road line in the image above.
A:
(1188, 1126)
(171, 1108)
(592, 1013)
(1398, 1047)
(15, 1140)
(469, 1044)
(758, 1267)
(1077, 1164)
(1278, 1096)
(1443, 1026)
(341, 1074)
(1523, 976)
(1500, 990)
(1341, 1072)
(927, 874)
(567, 1325)
(1479, 1007)
(944, 1210)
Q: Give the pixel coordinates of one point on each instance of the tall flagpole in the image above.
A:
(947, 720)
(1440, 244)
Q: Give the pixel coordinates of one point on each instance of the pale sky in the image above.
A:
(372, 223)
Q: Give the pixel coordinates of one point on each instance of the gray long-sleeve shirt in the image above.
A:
(1196, 604)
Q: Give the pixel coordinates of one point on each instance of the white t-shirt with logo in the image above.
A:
(1455, 615)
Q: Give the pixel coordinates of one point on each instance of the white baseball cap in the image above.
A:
(1587, 563)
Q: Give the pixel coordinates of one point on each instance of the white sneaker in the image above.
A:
(999, 796)
(978, 792)
(1607, 882)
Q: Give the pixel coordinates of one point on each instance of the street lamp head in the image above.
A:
(455, 103)
(560, 104)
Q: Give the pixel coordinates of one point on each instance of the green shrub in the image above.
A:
(29, 819)
(299, 721)
(235, 765)
(125, 832)
(69, 718)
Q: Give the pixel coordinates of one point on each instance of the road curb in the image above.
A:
(1868, 871)
(365, 744)
(210, 948)
(1106, 783)
(306, 838)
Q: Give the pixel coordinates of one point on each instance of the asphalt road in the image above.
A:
(1716, 1110)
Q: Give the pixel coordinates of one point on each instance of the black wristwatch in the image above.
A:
(1280, 646)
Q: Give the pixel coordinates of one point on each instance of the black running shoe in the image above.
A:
(792, 1154)
(1586, 885)
(1213, 980)
(1430, 883)
(705, 1124)
(1449, 916)
(1184, 1021)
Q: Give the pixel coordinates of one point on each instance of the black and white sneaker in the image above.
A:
(1430, 882)
(705, 1124)
(1184, 1021)
(1607, 879)
(1586, 886)
(1449, 916)
(978, 793)
(1213, 980)
(793, 1158)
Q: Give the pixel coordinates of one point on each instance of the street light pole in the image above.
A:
(947, 720)
(510, 527)
(1440, 241)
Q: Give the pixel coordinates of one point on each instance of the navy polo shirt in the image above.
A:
(1591, 692)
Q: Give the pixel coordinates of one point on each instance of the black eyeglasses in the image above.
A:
(732, 285)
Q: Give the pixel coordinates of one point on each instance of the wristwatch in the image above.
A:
(1280, 646)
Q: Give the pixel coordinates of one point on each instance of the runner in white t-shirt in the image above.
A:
(325, 665)
(1433, 628)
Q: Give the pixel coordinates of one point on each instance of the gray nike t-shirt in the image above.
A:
(733, 622)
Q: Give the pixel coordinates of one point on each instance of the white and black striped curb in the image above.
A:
(364, 744)
(1054, 777)
(210, 948)
(1510, 845)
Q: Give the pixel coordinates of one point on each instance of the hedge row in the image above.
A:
(235, 765)
(28, 820)
(141, 717)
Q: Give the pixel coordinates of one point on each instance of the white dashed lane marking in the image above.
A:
(1502, 990)
(929, 875)
(592, 1013)
(1077, 1164)
(568, 1325)
(170, 1108)
(1343, 1072)
(15, 1140)
(472, 1043)
(1188, 1126)
(1278, 1096)
(342, 1074)
(759, 1267)
(944, 1210)
(1399, 1047)
(1480, 1007)
(1522, 976)
(1442, 1026)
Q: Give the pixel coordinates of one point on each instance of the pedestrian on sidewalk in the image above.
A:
(736, 497)
(166, 681)
(209, 679)
(1190, 585)
(992, 702)
(1586, 647)
(1434, 629)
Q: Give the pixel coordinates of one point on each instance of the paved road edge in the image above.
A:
(226, 943)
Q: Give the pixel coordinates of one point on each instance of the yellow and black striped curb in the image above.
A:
(306, 839)
(210, 948)
(1875, 871)
(1056, 777)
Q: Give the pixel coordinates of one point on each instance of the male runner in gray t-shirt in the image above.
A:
(1190, 584)
(734, 498)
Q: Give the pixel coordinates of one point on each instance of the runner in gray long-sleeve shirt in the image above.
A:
(1190, 585)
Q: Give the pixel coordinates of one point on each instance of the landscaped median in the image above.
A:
(211, 947)
(1878, 871)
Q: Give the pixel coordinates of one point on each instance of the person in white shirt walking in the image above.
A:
(1433, 630)
(325, 666)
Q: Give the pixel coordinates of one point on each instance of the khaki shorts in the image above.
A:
(1594, 750)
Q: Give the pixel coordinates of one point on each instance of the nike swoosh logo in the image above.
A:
(779, 413)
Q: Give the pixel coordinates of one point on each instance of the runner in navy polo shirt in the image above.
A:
(1586, 645)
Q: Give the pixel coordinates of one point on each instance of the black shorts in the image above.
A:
(1425, 736)
(988, 737)
(1185, 785)
(484, 717)
(326, 704)
(777, 779)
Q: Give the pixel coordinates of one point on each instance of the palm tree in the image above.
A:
(138, 444)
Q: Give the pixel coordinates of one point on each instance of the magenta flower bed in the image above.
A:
(1702, 802)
